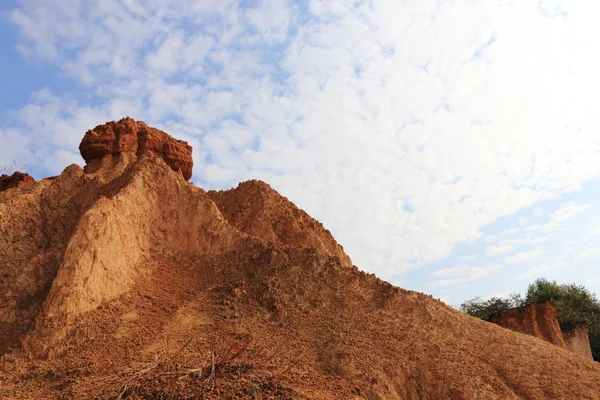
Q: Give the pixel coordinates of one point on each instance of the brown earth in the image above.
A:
(126, 281)
(537, 319)
(256, 209)
(577, 341)
(14, 180)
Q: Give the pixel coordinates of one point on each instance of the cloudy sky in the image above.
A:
(451, 146)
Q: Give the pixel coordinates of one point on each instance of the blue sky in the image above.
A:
(450, 146)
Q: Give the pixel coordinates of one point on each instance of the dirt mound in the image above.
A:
(14, 180)
(134, 137)
(577, 341)
(129, 282)
(256, 209)
(537, 319)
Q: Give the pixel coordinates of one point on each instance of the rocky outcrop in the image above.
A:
(537, 319)
(134, 137)
(577, 341)
(14, 180)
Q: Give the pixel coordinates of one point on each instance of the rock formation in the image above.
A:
(134, 137)
(538, 320)
(577, 341)
(14, 180)
(125, 281)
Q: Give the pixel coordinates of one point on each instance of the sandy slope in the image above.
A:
(133, 282)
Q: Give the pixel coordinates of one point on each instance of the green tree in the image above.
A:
(484, 309)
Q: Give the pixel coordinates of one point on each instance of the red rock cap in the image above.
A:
(14, 180)
(130, 136)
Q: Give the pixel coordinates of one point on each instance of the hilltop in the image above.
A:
(124, 280)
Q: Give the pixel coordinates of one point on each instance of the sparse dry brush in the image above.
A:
(240, 362)
(12, 167)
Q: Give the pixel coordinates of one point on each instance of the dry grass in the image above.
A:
(201, 371)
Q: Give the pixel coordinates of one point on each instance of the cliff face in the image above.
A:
(578, 341)
(125, 281)
(538, 319)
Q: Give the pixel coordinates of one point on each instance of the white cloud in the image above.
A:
(449, 272)
(501, 248)
(540, 270)
(501, 295)
(404, 127)
(178, 54)
(459, 276)
(568, 211)
(587, 253)
(524, 256)
(15, 153)
(50, 131)
(561, 216)
(595, 279)
(271, 18)
(540, 240)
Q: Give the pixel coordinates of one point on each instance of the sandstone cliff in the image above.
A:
(538, 320)
(125, 281)
(577, 341)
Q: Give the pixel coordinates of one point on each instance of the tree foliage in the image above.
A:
(484, 309)
(577, 305)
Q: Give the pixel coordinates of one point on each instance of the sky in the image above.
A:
(450, 146)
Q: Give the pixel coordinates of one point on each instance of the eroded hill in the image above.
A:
(126, 281)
